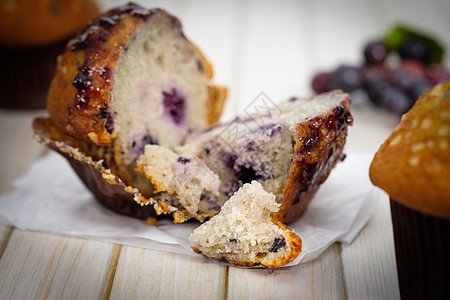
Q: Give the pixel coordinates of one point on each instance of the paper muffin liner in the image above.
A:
(422, 247)
(112, 196)
(107, 187)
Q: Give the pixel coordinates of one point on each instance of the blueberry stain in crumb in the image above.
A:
(174, 106)
(246, 174)
(278, 243)
(137, 146)
(183, 160)
(199, 66)
(229, 160)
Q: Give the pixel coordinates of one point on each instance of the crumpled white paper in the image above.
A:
(50, 197)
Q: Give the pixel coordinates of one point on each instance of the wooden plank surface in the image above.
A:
(45, 266)
(5, 234)
(318, 279)
(369, 262)
(150, 274)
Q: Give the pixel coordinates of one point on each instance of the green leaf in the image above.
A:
(398, 35)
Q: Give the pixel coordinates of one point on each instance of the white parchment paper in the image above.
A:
(50, 197)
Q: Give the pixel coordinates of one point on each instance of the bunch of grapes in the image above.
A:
(392, 78)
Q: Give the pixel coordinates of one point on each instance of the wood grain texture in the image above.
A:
(45, 266)
(369, 262)
(5, 235)
(111, 272)
(150, 274)
(318, 279)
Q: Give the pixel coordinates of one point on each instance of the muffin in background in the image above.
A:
(32, 34)
(413, 167)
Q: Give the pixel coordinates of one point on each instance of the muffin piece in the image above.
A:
(186, 180)
(131, 78)
(290, 150)
(413, 167)
(245, 232)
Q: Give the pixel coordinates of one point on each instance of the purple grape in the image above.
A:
(371, 72)
(415, 49)
(421, 86)
(347, 78)
(375, 86)
(404, 80)
(438, 75)
(395, 100)
(414, 67)
(321, 82)
(375, 53)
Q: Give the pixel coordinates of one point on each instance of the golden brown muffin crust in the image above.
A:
(319, 145)
(413, 164)
(80, 92)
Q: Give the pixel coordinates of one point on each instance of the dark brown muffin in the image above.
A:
(32, 34)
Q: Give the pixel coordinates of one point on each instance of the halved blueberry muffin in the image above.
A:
(129, 79)
(290, 153)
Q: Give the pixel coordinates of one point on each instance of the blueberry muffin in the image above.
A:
(413, 167)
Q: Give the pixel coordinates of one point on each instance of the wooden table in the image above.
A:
(255, 46)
